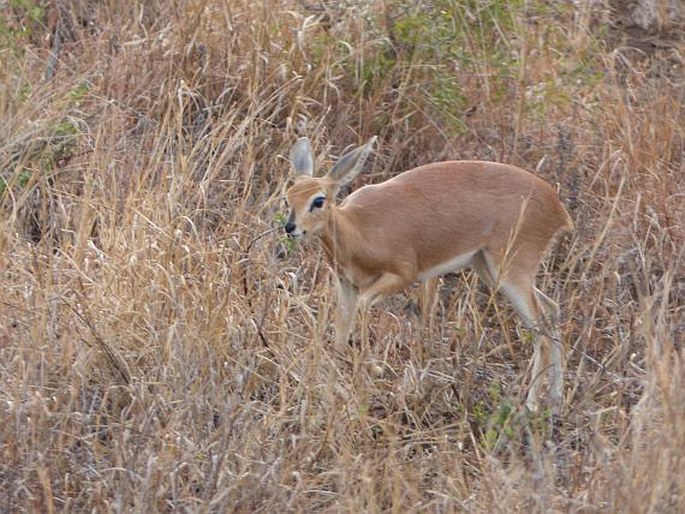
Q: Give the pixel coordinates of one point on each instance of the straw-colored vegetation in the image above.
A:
(162, 349)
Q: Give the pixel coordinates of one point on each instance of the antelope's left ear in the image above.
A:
(351, 163)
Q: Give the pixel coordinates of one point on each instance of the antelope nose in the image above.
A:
(289, 227)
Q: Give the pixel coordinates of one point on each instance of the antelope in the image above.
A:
(438, 218)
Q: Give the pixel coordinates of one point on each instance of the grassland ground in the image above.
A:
(162, 348)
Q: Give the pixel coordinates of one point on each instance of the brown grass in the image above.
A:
(159, 351)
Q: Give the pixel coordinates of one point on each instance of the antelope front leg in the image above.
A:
(345, 311)
(386, 284)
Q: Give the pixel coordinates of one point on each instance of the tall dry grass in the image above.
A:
(161, 350)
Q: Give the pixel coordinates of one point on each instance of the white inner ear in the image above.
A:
(301, 158)
(351, 163)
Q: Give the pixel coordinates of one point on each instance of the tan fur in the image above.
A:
(495, 218)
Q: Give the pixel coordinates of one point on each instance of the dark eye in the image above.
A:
(317, 203)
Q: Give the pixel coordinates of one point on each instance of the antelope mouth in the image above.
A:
(296, 234)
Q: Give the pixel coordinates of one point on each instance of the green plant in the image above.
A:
(20, 20)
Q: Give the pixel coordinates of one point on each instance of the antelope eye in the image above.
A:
(317, 203)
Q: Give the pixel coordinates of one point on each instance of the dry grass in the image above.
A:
(159, 352)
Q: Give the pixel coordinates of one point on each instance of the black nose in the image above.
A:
(290, 227)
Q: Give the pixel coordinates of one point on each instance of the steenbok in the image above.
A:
(428, 221)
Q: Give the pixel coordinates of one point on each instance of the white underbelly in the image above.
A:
(449, 266)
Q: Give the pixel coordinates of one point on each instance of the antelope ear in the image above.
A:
(351, 163)
(301, 158)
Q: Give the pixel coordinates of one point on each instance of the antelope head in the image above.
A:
(312, 199)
